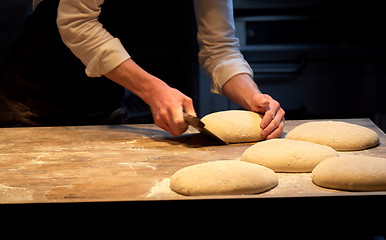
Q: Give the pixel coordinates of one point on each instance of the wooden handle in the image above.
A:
(193, 121)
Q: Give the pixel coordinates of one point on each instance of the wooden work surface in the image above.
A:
(126, 163)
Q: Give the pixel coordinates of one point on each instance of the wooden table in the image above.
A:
(98, 175)
(125, 163)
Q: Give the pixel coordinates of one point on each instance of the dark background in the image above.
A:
(12, 17)
(319, 59)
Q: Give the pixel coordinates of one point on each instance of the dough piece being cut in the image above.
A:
(341, 136)
(354, 173)
(223, 177)
(286, 155)
(234, 126)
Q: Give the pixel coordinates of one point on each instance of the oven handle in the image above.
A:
(280, 67)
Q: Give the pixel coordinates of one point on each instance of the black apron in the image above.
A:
(43, 83)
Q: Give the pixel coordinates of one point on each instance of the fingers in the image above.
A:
(187, 106)
(270, 113)
(169, 114)
(177, 123)
(275, 127)
(277, 132)
(272, 124)
(171, 120)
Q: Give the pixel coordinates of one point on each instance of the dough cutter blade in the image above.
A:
(200, 126)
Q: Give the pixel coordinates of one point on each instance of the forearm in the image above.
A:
(241, 89)
(137, 80)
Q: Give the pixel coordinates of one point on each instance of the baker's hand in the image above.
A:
(244, 91)
(272, 123)
(167, 106)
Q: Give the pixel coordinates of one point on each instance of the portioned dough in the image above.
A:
(341, 136)
(234, 126)
(354, 173)
(286, 155)
(223, 177)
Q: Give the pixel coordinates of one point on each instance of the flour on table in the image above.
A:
(15, 194)
(160, 189)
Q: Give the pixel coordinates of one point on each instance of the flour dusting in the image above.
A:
(15, 194)
(161, 189)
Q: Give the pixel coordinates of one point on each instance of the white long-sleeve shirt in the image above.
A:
(100, 52)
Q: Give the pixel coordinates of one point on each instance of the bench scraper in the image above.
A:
(200, 126)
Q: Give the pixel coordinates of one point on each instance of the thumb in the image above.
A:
(260, 103)
(187, 106)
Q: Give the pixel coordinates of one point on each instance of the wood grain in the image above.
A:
(124, 163)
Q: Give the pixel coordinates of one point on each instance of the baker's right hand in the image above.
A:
(167, 106)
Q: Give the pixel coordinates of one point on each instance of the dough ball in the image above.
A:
(354, 173)
(286, 155)
(223, 177)
(234, 126)
(341, 136)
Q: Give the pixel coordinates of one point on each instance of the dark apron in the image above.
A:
(43, 83)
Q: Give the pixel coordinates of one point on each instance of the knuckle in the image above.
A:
(188, 100)
(276, 104)
(267, 96)
(276, 122)
(180, 124)
(176, 131)
(270, 114)
(159, 117)
(156, 118)
(163, 113)
(161, 125)
(281, 127)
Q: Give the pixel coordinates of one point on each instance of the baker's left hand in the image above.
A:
(272, 124)
(244, 91)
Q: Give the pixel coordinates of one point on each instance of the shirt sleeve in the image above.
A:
(219, 53)
(85, 36)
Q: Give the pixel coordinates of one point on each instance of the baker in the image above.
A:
(57, 71)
